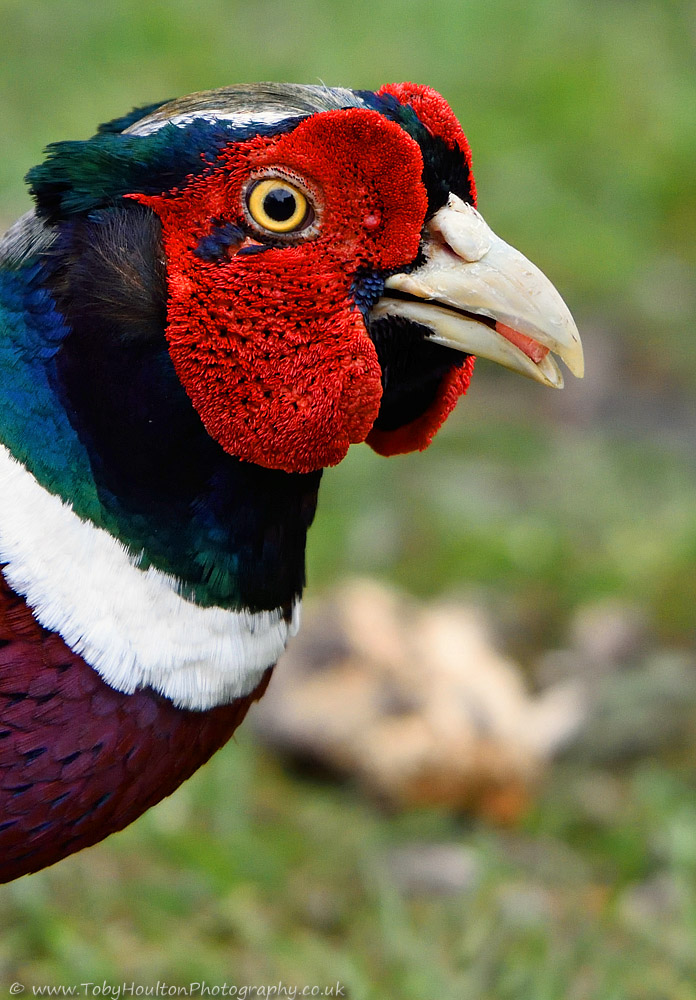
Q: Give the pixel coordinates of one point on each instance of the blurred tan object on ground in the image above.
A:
(412, 702)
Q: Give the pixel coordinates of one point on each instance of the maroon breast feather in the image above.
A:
(79, 760)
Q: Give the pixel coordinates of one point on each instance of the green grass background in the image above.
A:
(582, 120)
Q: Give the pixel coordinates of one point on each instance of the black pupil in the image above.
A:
(280, 204)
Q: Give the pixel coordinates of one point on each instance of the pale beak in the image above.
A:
(477, 294)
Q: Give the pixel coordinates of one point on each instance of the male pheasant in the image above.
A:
(212, 299)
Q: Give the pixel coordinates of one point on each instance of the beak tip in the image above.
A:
(575, 358)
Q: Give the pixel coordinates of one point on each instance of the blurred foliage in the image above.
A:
(582, 120)
(538, 518)
(246, 877)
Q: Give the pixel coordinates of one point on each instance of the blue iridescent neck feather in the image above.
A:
(90, 403)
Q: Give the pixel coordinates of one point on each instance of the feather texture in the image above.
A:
(79, 760)
(175, 372)
(130, 624)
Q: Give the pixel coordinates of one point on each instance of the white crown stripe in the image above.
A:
(212, 115)
(131, 625)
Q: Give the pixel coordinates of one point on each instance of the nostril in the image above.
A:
(463, 230)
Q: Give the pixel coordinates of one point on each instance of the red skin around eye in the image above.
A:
(271, 347)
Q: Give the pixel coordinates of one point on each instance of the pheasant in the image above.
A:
(212, 299)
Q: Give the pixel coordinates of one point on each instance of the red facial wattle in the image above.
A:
(271, 347)
(436, 114)
(417, 435)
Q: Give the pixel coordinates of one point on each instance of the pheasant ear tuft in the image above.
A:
(82, 176)
(78, 176)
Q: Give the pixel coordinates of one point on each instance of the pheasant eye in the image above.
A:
(278, 206)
